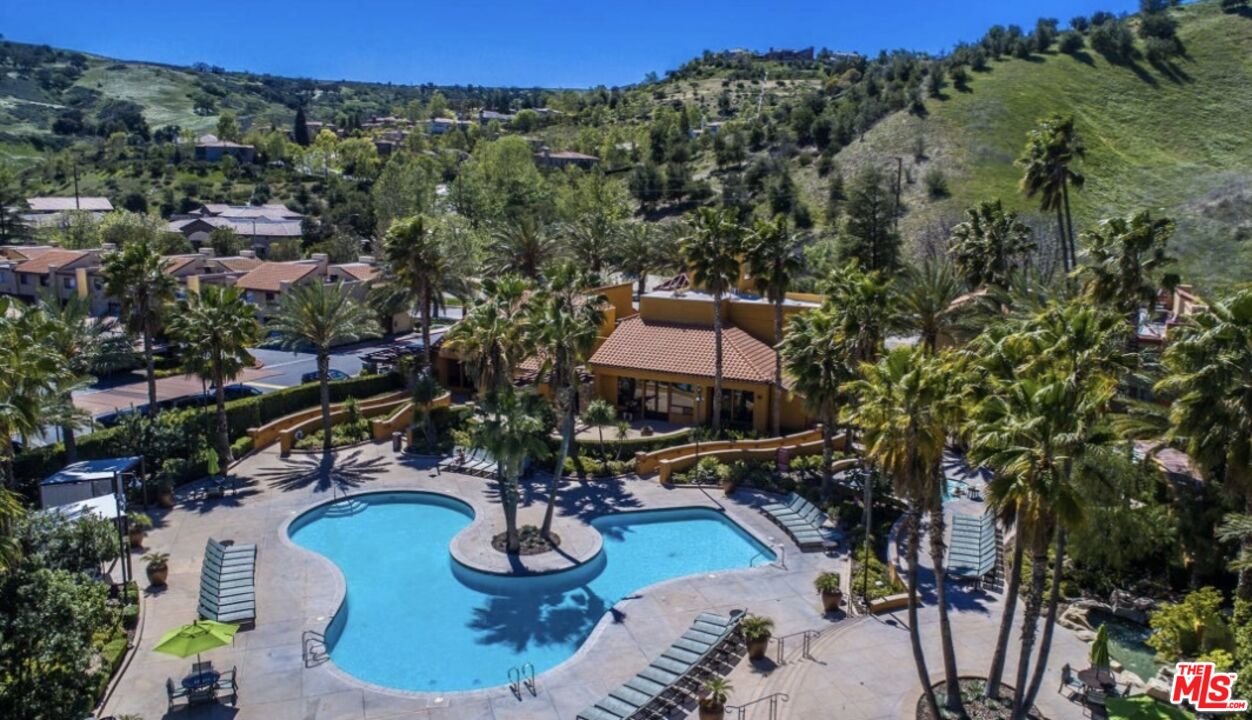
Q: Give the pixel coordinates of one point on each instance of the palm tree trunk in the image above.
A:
(995, 675)
(1060, 223)
(323, 366)
(643, 282)
(1049, 623)
(717, 363)
(828, 457)
(424, 299)
(1030, 624)
(68, 438)
(567, 439)
(915, 634)
(776, 400)
(150, 364)
(1243, 591)
(1069, 222)
(508, 499)
(952, 702)
(223, 430)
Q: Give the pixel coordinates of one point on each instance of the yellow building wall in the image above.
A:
(680, 310)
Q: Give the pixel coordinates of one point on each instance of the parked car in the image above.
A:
(331, 374)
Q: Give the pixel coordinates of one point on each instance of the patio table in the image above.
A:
(200, 686)
(1097, 678)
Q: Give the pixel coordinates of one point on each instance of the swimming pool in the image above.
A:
(415, 619)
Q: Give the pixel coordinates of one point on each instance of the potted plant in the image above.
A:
(165, 494)
(140, 524)
(756, 631)
(158, 568)
(828, 585)
(714, 694)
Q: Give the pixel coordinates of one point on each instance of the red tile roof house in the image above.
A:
(265, 284)
(203, 268)
(27, 271)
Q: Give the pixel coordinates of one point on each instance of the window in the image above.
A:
(682, 399)
(70, 283)
(269, 297)
(737, 406)
(25, 278)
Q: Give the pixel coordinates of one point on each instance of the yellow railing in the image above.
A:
(667, 461)
(284, 429)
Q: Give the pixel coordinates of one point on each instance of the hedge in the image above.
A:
(34, 464)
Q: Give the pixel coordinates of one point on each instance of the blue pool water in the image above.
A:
(415, 619)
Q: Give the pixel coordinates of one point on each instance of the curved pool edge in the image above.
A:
(442, 698)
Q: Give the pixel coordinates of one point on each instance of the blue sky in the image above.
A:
(552, 43)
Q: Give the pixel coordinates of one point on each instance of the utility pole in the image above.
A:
(77, 205)
(899, 179)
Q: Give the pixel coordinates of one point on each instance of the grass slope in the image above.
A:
(1178, 140)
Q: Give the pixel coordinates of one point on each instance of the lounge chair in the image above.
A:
(801, 519)
(1069, 680)
(228, 582)
(227, 686)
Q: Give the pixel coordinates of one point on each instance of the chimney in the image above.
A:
(322, 260)
(80, 278)
(193, 283)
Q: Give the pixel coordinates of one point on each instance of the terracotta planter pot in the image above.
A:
(832, 600)
(136, 538)
(729, 488)
(756, 648)
(165, 498)
(716, 712)
(158, 574)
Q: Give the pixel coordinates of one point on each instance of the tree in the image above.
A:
(869, 234)
(1126, 259)
(493, 337)
(512, 433)
(416, 258)
(642, 248)
(34, 375)
(712, 251)
(599, 415)
(774, 258)
(816, 357)
(523, 246)
(321, 315)
(215, 327)
(926, 304)
(225, 241)
(426, 390)
(899, 411)
(13, 227)
(990, 245)
(566, 325)
(405, 187)
(1209, 375)
(78, 229)
(228, 127)
(135, 276)
(84, 345)
(1051, 150)
(300, 129)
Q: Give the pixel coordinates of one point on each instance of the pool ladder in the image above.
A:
(522, 676)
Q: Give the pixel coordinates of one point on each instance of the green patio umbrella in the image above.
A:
(1143, 707)
(200, 636)
(1100, 648)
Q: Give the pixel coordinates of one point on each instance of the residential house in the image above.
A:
(44, 212)
(211, 149)
(265, 283)
(546, 158)
(196, 270)
(441, 125)
(487, 116)
(1172, 308)
(28, 271)
(260, 227)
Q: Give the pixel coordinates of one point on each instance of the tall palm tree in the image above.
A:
(589, 240)
(926, 304)
(321, 315)
(816, 357)
(990, 245)
(1051, 150)
(775, 258)
(642, 248)
(135, 278)
(512, 433)
(86, 345)
(215, 327)
(899, 411)
(711, 251)
(1209, 373)
(11, 511)
(565, 328)
(415, 257)
(522, 246)
(494, 335)
(425, 391)
(33, 377)
(1126, 262)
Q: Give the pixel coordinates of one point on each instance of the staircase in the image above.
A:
(344, 508)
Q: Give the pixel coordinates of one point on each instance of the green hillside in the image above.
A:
(1178, 138)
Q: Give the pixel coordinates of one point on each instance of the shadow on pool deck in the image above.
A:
(323, 471)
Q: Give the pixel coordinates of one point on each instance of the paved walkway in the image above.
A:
(861, 668)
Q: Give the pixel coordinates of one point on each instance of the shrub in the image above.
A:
(1071, 42)
(1192, 627)
(880, 584)
(241, 447)
(936, 184)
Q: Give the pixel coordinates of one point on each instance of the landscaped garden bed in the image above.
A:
(976, 706)
(532, 543)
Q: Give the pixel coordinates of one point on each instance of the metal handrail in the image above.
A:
(741, 711)
(807, 636)
(522, 676)
(308, 639)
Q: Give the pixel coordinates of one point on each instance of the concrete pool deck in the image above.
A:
(861, 668)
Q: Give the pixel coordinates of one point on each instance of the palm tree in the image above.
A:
(1126, 257)
(565, 327)
(425, 391)
(1209, 373)
(990, 245)
(899, 411)
(135, 278)
(816, 356)
(589, 240)
(712, 252)
(1051, 148)
(321, 315)
(1237, 528)
(415, 256)
(216, 326)
(522, 246)
(494, 336)
(33, 377)
(927, 304)
(775, 258)
(642, 248)
(599, 415)
(86, 345)
(11, 511)
(512, 433)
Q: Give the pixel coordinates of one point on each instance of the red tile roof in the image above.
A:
(358, 271)
(40, 263)
(638, 344)
(269, 276)
(238, 263)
